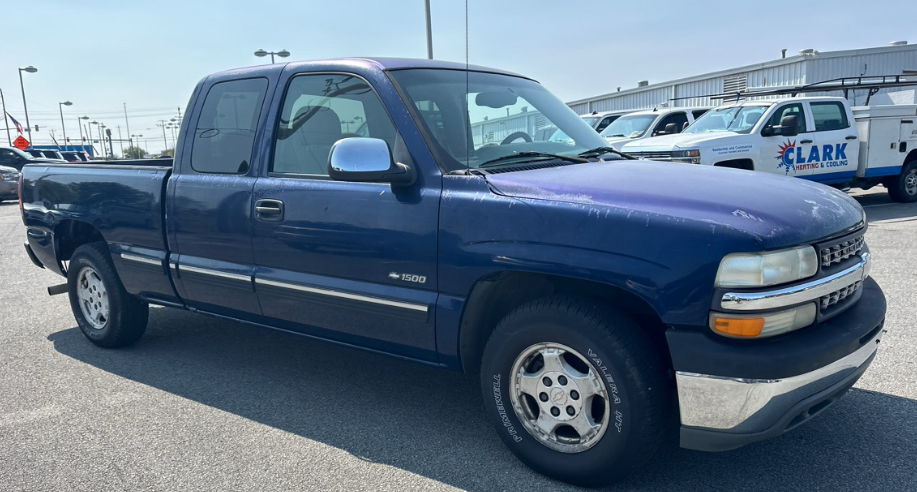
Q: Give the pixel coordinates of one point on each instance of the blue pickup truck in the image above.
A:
(594, 295)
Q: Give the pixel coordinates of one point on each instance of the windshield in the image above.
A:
(35, 153)
(739, 119)
(630, 126)
(590, 120)
(493, 116)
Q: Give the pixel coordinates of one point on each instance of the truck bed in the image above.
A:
(122, 200)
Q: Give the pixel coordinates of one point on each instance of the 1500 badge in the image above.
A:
(407, 277)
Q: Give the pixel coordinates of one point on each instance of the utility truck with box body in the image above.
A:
(593, 294)
(817, 138)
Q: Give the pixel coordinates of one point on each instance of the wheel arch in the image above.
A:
(496, 295)
(746, 164)
(70, 234)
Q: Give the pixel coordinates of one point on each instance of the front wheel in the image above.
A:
(106, 314)
(903, 188)
(576, 390)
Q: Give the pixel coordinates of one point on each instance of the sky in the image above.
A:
(102, 55)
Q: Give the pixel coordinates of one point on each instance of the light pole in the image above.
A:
(135, 148)
(89, 129)
(281, 54)
(60, 106)
(25, 107)
(426, 5)
(79, 124)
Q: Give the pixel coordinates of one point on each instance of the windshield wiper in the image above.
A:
(604, 150)
(615, 135)
(530, 156)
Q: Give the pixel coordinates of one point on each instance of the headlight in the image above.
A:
(765, 269)
(691, 156)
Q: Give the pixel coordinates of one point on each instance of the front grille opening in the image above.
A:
(839, 295)
(839, 252)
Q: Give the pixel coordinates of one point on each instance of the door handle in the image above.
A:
(269, 210)
(805, 141)
(851, 137)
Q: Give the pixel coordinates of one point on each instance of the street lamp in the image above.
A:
(281, 54)
(79, 124)
(25, 107)
(60, 106)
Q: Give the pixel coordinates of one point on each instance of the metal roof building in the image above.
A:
(807, 67)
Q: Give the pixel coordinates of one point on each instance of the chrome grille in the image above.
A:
(839, 252)
(660, 155)
(839, 295)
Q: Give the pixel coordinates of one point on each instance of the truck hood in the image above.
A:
(678, 140)
(617, 142)
(775, 211)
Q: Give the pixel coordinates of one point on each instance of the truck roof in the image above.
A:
(768, 102)
(368, 63)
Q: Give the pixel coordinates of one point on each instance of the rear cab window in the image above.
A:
(225, 131)
(829, 116)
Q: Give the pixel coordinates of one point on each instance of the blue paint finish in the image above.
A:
(830, 178)
(655, 230)
(876, 172)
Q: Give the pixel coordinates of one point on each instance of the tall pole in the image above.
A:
(25, 106)
(126, 122)
(120, 142)
(91, 147)
(429, 30)
(79, 125)
(162, 123)
(60, 106)
(7, 125)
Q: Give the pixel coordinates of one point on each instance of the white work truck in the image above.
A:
(649, 123)
(817, 138)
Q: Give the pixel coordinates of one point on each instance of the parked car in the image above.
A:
(15, 158)
(601, 120)
(9, 183)
(588, 295)
(648, 123)
(72, 156)
(811, 137)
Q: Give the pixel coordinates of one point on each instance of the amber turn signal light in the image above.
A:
(748, 327)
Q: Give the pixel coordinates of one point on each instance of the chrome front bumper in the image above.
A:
(721, 413)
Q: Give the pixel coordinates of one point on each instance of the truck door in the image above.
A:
(835, 144)
(354, 262)
(790, 154)
(209, 206)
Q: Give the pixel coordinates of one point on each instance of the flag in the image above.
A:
(18, 126)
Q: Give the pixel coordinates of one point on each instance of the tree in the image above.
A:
(134, 152)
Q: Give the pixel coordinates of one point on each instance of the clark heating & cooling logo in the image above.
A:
(800, 158)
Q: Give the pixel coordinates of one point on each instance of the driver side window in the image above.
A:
(794, 109)
(320, 109)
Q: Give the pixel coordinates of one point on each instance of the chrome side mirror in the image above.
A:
(364, 159)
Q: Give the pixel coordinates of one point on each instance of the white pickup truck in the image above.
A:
(649, 123)
(817, 138)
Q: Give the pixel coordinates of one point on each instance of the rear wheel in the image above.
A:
(903, 188)
(576, 390)
(106, 314)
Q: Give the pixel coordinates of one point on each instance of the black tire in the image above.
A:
(632, 372)
(125, 317)
(903, 188)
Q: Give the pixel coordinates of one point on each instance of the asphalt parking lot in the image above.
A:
(205, 404)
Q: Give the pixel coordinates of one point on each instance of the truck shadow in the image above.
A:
(879, 207)
(431, 422)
